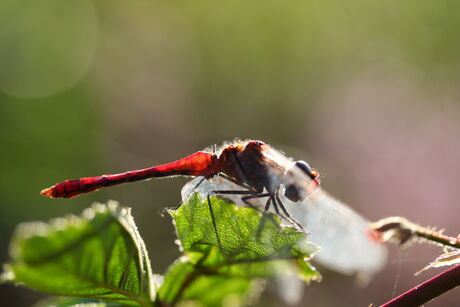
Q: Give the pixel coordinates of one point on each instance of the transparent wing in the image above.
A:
(340, 232)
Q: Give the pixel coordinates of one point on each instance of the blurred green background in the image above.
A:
(366, 91)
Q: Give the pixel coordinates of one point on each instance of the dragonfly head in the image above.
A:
(297, 186)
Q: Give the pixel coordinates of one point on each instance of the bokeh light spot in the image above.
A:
(47, 47)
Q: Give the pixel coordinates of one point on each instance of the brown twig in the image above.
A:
(400, 230)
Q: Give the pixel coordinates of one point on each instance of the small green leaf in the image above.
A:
(99, 256)
(183, 280)
(238, 246)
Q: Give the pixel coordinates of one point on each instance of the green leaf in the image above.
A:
(99, 256)
(240, 245)
(183, 280)
(74, 302)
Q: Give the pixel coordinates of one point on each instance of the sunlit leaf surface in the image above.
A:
(99, 255)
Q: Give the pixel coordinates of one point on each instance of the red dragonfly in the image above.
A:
(250, 164)
(255, 169)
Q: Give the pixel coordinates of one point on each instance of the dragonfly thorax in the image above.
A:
(245, 164)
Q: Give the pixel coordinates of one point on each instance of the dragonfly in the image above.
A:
(254, 171)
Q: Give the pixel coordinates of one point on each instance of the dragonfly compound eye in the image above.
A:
(300, 181)
(306, 168)
(293, 193)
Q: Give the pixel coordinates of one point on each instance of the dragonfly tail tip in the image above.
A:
(49, 192)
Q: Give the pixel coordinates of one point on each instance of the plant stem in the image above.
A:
(428, 290)
(400, 230)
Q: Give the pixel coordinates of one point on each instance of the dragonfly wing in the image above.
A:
(341, 233)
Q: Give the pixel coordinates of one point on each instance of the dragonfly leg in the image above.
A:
(280, 203)
(276, 201)
(275, 205)
(243, 185)
(231, 192)
(266, 214)
(246, 199)
(287, 215)
(214, 225)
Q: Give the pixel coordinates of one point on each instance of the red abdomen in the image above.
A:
(198, 164)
